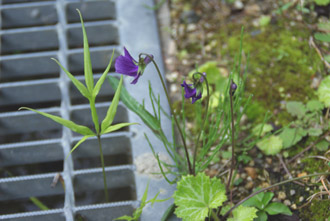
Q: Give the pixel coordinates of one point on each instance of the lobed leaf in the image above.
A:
(80, 86)
(87, 59)
(325, 37)
(196, 195)
(69, 124)
(107, 121)
(296, 108)
(314, 105)
(243, 213)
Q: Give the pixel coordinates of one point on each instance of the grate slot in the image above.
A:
(89, 187)
(116, 151)
(24, 68)
(100, 60)
(105, 11)
(109, 35)
(105, 212)
(29, 16)
(29, 41)
(22, 1)
(12, 99)
(13, 127)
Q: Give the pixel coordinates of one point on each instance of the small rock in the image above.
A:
(189, 17)
(251, 172)
(238, 5)
(269, 160)
(281, 195)
(287, 202)
(293, 206)
(292, 192)
(301, 199)
(249, 185)
(243, 175)
(252, 9)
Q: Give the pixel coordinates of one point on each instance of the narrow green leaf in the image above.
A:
(83, 90)
(107, 121)
(94, 115)
(137, 108)
(87, 59)
(78, 144)
(116, 127)
(38, 203)
(102, 78)
(278, 208)
(69, 124)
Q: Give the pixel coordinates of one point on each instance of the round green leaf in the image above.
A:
(323, 91)
(270, 145)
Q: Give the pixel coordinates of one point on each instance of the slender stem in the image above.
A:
(274, 185)
(103, 170)
(232, 167)
(172, 112)
(203, 124)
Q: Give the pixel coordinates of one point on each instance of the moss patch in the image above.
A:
(281, 67)
(318, 210)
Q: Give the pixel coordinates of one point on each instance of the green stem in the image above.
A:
(172, 112)
(203, 124)
(267, 188)
(232, 139)
(103, 170)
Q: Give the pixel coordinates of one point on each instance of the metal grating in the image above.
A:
(32, 148)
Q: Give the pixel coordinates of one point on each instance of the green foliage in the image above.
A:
(271, 145)
(137, 213)
(324, 91)
(264, 20)
(322, 2)
(196, 195)
(323, 145)
(296, 108)
(243, 213)
(291, 136)
(262, 129)
(282, 57)
(262, 201)
(90, 92)
(322, 37)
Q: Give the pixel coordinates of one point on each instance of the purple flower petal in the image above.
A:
(126, 66)
(147, 60)
(136, 79)
(189, 92)
(128, 55)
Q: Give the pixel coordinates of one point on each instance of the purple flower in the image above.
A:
(191, 92)
(128, 66)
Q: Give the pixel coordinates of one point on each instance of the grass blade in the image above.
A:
(69, 124)
(78, 144)
(83, 90)
(107, 121)
(87, 59)
(116, 127)
(94, 115)
(102, 78)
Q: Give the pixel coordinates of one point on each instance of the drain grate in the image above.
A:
(32, 148)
